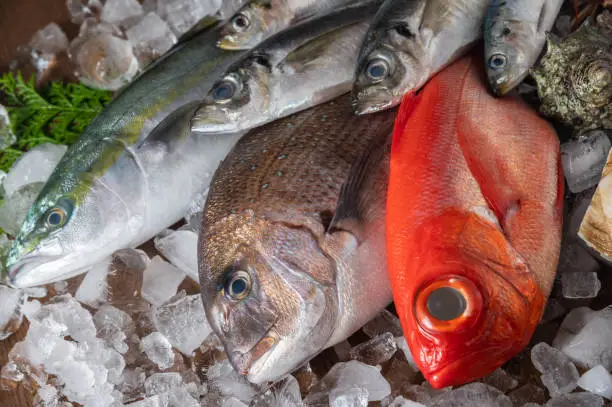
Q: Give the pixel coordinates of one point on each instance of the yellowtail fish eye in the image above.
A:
(497, 61)
(241, 22)
(238, 286)
(56, 217)
(377, 69)
(225, 90)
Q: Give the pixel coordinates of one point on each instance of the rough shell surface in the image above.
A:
(575, 76)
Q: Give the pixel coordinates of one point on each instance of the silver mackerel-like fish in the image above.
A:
(514, 36)
(291, 71)
(408, 42)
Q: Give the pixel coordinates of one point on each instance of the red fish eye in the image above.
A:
(448, 304)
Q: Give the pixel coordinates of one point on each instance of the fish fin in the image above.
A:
(313, 50)
(351, 209)
(173, 130)
(409, 103)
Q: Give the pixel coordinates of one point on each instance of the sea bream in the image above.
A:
(133, 172)
(408, 42)
(514, 36)
(474, 217)
(292, 71)
(291, 250)
(259, 19)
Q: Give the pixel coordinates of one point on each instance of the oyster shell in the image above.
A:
(574, 77)
(596, 226)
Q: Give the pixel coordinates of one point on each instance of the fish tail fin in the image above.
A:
(409, 102)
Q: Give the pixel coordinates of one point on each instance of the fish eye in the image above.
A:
(225, 90)
(56, 217)
(238, 286)
(448, 304)
(497, 61)
(377, 69)
(241, 22)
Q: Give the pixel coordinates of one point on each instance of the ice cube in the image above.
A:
(232, 402)
(182, 320)
(350, 397)
(383, 322)
(160, 281)
(158, 349)
(49, 40)
(583, 160)
(585, 336)
(580, 285)
(36, 165)
(528, 393)
(92, 290)
(575, 258)
(48, 396)
(16, 206)
(11, 313)
(35, 292)
(181, 15)
(559, 375)
(286, 393)
(224, 380)
(375, 351)
(133, 384)
(148, 402)
(151, 38)
(193, 222)
(180, 397)
(398, 373)
(149, 6)
(501, 380)
(61, 287)
(424, 393)
(473, 394)
(575, 400)
(598, 381)
(402, 345)
(159, 383)
(180, 247)
(352, 374)
(399, 401)
(114, 327)
(7, 137)
(82, 9)
(121, 12)
(102, 58)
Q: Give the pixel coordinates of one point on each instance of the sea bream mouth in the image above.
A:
(244, 361)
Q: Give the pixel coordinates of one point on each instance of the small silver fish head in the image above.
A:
(270, 314)
(384, 74)
(507, 56)
(233, 104)
(66, 232)
(246, 28)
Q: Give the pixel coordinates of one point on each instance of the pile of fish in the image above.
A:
(329, 158)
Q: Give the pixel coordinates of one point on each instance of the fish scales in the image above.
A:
(304, 172)
(291, 250)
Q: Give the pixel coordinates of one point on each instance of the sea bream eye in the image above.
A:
(497, 61)
(377, 69)
(241, 22)
(56, 217)
(238, 286)
(225, 90)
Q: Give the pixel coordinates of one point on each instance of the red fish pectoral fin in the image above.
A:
(409, 103)
(514, 156)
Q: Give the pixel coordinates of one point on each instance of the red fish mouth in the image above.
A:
(473, 366)
(242, 362)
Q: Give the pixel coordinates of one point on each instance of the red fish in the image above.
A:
(474, 217)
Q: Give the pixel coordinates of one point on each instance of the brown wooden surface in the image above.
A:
(19, 20)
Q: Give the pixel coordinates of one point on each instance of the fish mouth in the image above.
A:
(229, 43)
(474, 366)
(244, 361)
(205, 122)
(371, 100)
(19, 273)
